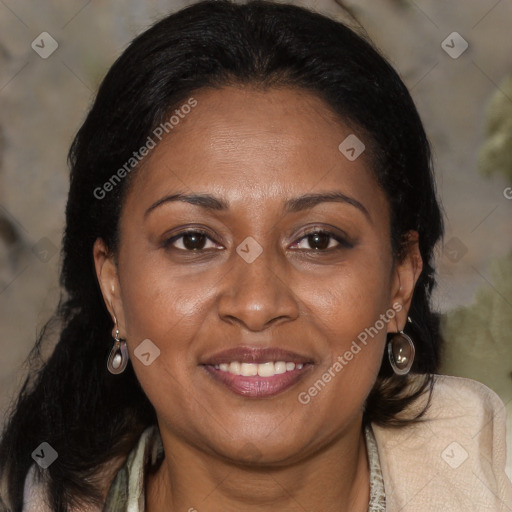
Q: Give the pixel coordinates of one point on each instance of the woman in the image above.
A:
(248, 264)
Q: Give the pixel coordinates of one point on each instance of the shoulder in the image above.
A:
(113, 475)
(454, 458)
(127, 491)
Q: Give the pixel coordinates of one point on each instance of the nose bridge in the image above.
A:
(257, 290)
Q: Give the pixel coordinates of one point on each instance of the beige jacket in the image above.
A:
(453, 461)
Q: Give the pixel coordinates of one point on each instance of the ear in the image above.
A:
(106, 273)
(405, 275)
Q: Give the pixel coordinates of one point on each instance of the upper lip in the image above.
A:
(255, 355)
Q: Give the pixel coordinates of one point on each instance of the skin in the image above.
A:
(255, 150)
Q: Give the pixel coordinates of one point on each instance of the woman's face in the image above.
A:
(251, 286)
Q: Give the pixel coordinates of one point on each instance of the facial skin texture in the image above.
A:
(255, 150)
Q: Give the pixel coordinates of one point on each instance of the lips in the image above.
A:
(257, 372)
(255, 355)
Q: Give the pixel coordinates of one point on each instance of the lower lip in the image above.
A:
(256, 386)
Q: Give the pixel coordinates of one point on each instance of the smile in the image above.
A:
(256, 372)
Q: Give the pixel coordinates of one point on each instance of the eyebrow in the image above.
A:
(307, 201)
(205, 201)
(296, 204)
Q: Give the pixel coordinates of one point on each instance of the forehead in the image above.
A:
(256, 146)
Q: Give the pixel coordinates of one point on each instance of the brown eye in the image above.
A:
(190, 241)
(320, 240)
(194, 241)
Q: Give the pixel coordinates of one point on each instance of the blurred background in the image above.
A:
(456, 58)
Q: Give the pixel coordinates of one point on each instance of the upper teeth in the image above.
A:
(262, 369)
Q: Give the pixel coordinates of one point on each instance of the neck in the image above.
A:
(336, 479)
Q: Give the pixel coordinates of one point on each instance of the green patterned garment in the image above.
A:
(126, 493)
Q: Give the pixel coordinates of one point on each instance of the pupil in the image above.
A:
(319, 239)
(194, 241)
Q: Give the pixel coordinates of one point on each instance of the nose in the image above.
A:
(257, 294)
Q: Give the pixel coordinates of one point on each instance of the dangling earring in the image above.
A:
(401, 352)
(118, 357)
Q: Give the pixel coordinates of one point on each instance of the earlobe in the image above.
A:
(407, 272)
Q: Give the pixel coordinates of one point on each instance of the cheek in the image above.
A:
(157, 299)
(347, 308)
(167, 308)
(351, 297)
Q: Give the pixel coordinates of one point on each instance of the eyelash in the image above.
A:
(343, 243)
(168, 243)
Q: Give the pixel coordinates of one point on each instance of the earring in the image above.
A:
(401, 353)
(118, 357)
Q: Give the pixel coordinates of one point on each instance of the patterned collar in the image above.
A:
(126, 494)
(377, 492)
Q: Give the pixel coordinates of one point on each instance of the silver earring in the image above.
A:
(118, 357)
(401, 353)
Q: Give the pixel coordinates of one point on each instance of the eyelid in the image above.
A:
(170, 240)
(343, 239)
